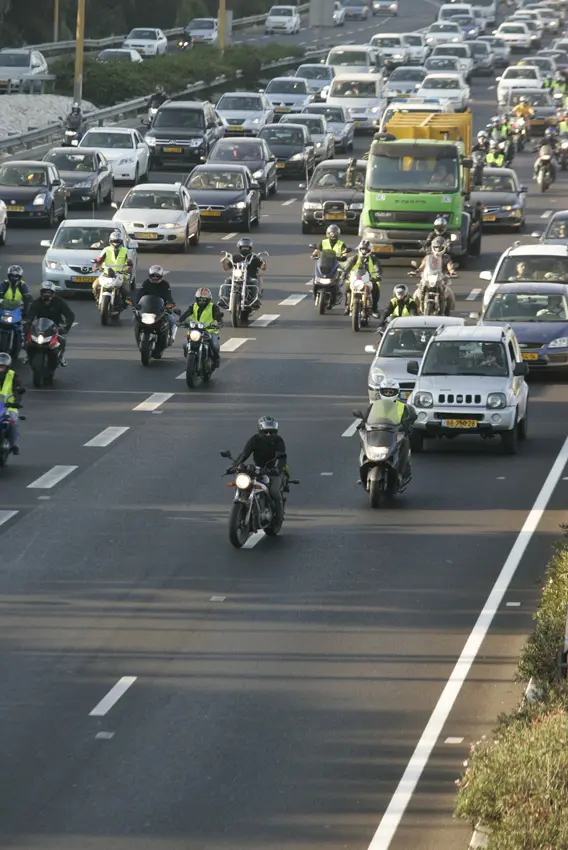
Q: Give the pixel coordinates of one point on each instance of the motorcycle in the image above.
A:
(433, 286)
(360, 299)
(327, 281)
(152, 328)
(563, 153)
(11, 330)
(544, 172)
(5, 417)
(110, 302)
(383, 456)
(252, 509)
(152, 110)
(478, 158)
(71, 138)
(520, 133)
(241, 295)
(184, 44)
(198, 356)
(43, 348)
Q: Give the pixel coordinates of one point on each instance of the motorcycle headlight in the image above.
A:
(8, 319)
(148, 318)
(195, 336)
(40, 200)
(243, 481)
(496, 401)
(150, 141)
(358, 285)
(564, 145)
(374, 453)
(559, 342)
(40, 339)
(423, 399)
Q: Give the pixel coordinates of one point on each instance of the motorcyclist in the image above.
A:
(157, 98)
(268, 447)
(15, 291)
(524, 110)
(115, 256)
(495, 157)
(481, 142)
(563, 124)
(364, 259)
(440, 229)
(389, 407)
(439, 249)
(332, 242)
(205, 310)
(551, 138)
(10, 388)
(49, 305)
(401, 304)
(74, 120)
(156, 284)
(255, 264)
(546, 150)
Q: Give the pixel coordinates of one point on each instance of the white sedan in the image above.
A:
(518, 77)
(338, 14)
(124, 148)
(147, 41)
(515, 34)
(450, 87)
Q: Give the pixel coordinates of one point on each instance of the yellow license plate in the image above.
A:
(16, 209)
(383, 249)
(211, 212)
(282, 109)
(336, 216)
(459, 423)
(281, 165)
(403, 395)
(236, 128)
(173, 150)
(489, 218)
(527, 355)
(83, 279)
(145, 235)
(357, 123)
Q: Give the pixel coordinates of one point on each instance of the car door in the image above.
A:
(58, 189)
(105, 174)
(310, 160)
(270, 161)
(253, 195)
(143, 152)
(192, 211)
(162, 42)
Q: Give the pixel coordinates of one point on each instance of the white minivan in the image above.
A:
(361, 94)
(448, 10)
(353, 59)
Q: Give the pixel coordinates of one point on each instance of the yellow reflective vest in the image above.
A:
(7, 389)
(397, 312)
(206, 316)
(338, 248)
(117, 260)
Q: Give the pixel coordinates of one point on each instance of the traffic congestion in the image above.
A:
(324, 322)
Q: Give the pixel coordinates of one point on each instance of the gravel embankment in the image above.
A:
(22, 112)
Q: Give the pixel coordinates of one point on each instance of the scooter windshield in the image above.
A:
(381, 436)
(327, 263)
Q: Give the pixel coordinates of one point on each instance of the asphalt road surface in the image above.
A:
(267, 698)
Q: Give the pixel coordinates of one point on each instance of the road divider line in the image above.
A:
(290, 201)
(406, 787)
(228, 236)
(116, 692)
(153, 402)
(292, 300)
(6, 516)
(106, 437)
(51, 478)
(475, 293)
(350, 432)
(180, 377)
(236, 342)
(264, 321)
(546, 214)
(253, 540)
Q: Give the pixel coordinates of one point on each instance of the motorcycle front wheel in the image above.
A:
(38, 365)
(320, 302)
(145, 350)
(356, 315)
(235, 312)
(190, 370)
(238, 529)
(105, 310)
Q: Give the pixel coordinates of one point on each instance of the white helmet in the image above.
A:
(438, 245)
(389, 389)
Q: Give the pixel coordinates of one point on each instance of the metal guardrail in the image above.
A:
(121, 111)
(54, 47)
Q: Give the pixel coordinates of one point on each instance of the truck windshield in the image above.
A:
(408, 171)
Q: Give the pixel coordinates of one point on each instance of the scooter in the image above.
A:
(544, 172)
(71, 138)
(385, 453)
(327, 281)
(5, 417)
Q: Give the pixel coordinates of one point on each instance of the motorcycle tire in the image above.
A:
(429, 309)
(356, 315)
(145, 350)
(564, 164)
(190, 371)
(238, 534)
(320, 303)
(38, 365)
(375, 489)
(105, 311)
(274, 529)
(236, 313)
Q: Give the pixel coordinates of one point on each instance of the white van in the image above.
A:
(353, 59)
(448, 10)
(362, 94)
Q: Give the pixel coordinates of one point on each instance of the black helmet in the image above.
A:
(245, 246)
(15, 274)
(267, 425)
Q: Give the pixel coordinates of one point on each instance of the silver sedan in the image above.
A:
(321, 135)
(245, 113)
(339, 121)
(160, 215)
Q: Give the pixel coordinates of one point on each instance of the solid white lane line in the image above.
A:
(350, 432)
(113, 696)
(546, 214)
(438, 719)
(291, 201)
(106, 437)
(264, 321)
(236, 342)
(253, 540)
(51, 478)
(153, 402)
(5, 516)
(217, 598)
(292, 300)
(475, 293)
(229, 236)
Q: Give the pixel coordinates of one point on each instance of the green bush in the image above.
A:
(106, 84)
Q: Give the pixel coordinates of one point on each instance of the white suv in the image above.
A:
(471, 380)
(283, 19)
(527, 264)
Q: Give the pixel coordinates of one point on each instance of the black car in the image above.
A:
(87, 175)
(556, 232)
(501, 197)
(183, 132)
(335, 195)
(226, 195)
(33, 189)
(255, 155)
(292, 146)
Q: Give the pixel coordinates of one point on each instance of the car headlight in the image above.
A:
(429, 40)
(422, 399)
(40, 200)
(298, 156)
(312, 205)
(86, 184)
(240, 206)
(377, 375)
(496, 401)
(255, 121)
(318, 144)
(173, 225)
(258, 174)
(195, 336)
(377, 453)
(243, 481)
(355, 206)
(54, 266)
(147, 318)
(126, 160)
(560, 342)
(150, 141)
(195, 143)
(398, 56)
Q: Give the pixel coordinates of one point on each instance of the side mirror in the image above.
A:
(497, 79)
(358, 414)
(412, 367)
(45, 243)
(523, 189)
(536, 234)
(255, 185)
(141, 145)
(312, 246)
(521, 370)
(57, 182)
(226, 453)
(485, 276)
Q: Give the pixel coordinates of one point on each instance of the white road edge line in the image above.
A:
(228, 236)
(236, 342)
(253, 540)
(264, 321)
(292, 300)
(407, 785)
(153, 402)
(51, 478)
(113, 696)
(6, 516)
(290, 201)
(106, 437)
(473, 294)
(350, 432)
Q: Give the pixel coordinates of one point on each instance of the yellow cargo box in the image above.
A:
(436, 126)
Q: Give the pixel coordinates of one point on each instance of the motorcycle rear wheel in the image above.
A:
(238, 534)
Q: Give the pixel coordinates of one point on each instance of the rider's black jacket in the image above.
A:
(57, 310)
(264, 449)
(160, 288)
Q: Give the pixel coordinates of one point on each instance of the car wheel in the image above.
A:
(97, 199)
(509, 443)
(247, 225)
(109, 195)
(523, 426)
(64, 213)
(265, 191)
(194, 239)
(274, 188)
(136, 176)
(306, 228)
(184, 245)
(52, 218)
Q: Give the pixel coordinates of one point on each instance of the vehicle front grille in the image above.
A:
(528, 345)
(402, 216)
(237, 121)
(334, 207)
(86, 269)
(451, 398)
(211, 207)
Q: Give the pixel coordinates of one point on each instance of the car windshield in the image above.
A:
(521, 73)
(383, 41)
(413, 40)
(405, 342)
(181, 119)
(22, 175)
(458, 357)
(281, 12)
(245, 103)
(216, 180)
(313, 124)
(150, 199)
(14, 60)
(229, 151)
(512, 29)
(406, 173)
(72, 161)
(332, 113)
(441, 63)
(283, 135)
(451, 50)
(464, 20)
(445, 28)
(444, 83)
(286, 87)
(479, 47)
(533, 268)
(497, 183)
(337, 177)
(349, 57)
(82, 238)
(403, 75)
(313, 72)
(102, 139)
(541, 98)
(114, 56)
(526, 307)
(557, 229)
(144, 35)
(353, 88)
(201, 24)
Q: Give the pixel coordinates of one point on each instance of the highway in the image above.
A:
(272, 697)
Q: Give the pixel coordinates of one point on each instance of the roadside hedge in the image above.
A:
(516, 783)
(106, 83)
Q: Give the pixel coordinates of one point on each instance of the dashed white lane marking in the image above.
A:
(513, 604)
(236, 342)
(74, 325)
(264, 321)
(326, 473)
(153, 402)
(51, 478)
(180, 377)
(402, 796)
(217, 599)
(253, 540)
(475, 293)
(290, 201)
(349, 432)
(116, 692)
(453, 741)
(229, 236)
(104, 736)
(546, 214)
(6, 516)
(292, 300)
(106, 437)
(370, 349)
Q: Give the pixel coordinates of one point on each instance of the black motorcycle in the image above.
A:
(384, 454)
(43, 349)
(252, 509)
(152, 327)
(198, 355)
